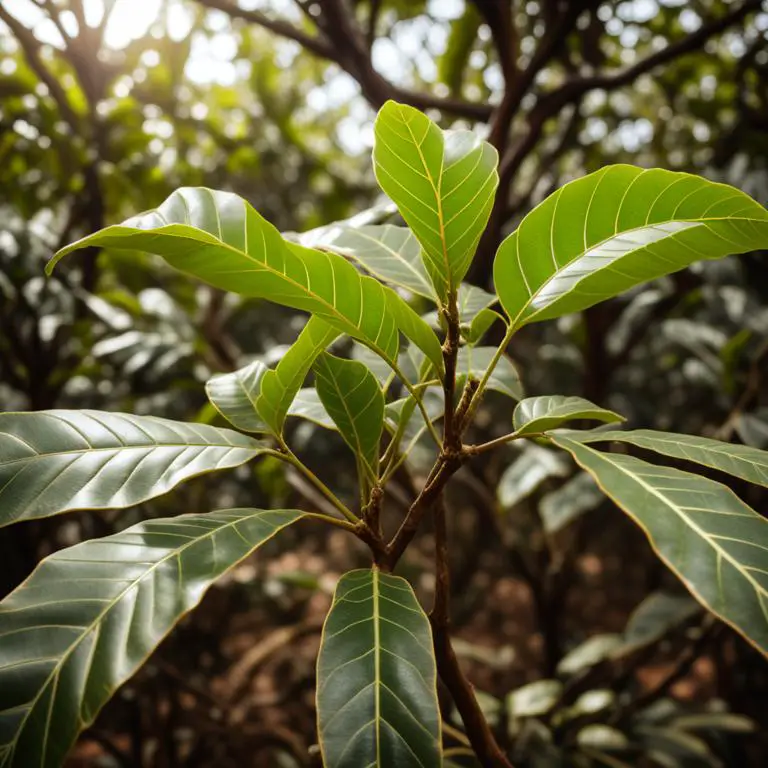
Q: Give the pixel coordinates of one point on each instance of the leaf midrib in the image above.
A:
(426, 291)
(698, 222)
(262, 266)
(88, 628)
(681, 514)
(438, 200)
(120, 448)
(721, 451)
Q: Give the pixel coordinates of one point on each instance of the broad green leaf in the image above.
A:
(234, 396)
(472, 301)
(572, 499)
(280, 385)
(529, 470)
(473, 361)
(538, 414)
(353, 399)
(598, 236)
(415, 426)
(534, 699)
(750, 464)
(443, 183)
(89, 616)
(591, 651)
(391, 253)
(711, 539)
(415, 329)
(308, 406)
(715, 721)
(376, 677)
(57, 461)
(480, 324)
(219, 238)
(656, 615)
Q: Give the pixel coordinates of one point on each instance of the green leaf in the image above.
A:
(538, 414)
(621, 226)
(280, 386)
(715, 721)
(353, 399)
(656, 615)
(219, 238)
(58, 461)
(443, 183)
(534, 699)
(472, 301)
(572, 499)
(416, 330)
(415, 426)
(529, 470)
(711, 539)
(89, 616)
(234, 396)
(482, 321)
(473, 361)
(308, 406)
(391, 253)
(588, 653)
(750, 464)
(376, 677)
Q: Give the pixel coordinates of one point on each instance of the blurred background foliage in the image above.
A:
(106, 106)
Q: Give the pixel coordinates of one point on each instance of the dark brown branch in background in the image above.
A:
(343, 43)
(31, 48)
(550, 104)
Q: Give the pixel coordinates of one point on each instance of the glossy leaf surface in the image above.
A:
(376, 677)
(353, 399)
(611, 230)
(538, 414)
(443, 183)
(710, 538)
(57, 461)
(219, 238)
(280, 385)
(393, 254)
(473, 361)
(89, 616)
(234, 396)
(750, 464)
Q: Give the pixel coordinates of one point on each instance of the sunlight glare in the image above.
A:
(130, 19)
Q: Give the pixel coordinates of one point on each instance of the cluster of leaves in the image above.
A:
(89, 615)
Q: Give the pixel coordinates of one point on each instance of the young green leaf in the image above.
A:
(538, 414)
(621, 226)
(89, 616)
(353, 399)
(473, 361)
(480, 324)
(750, 464)
(443, 183)
(376, 677)
(280, 386)
(219, 238)
(234, 396)
(308, 406)
(710, 538)
(58, 461)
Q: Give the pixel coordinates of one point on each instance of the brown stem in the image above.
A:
(487, 750)
(483, 743)
(343, 43)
